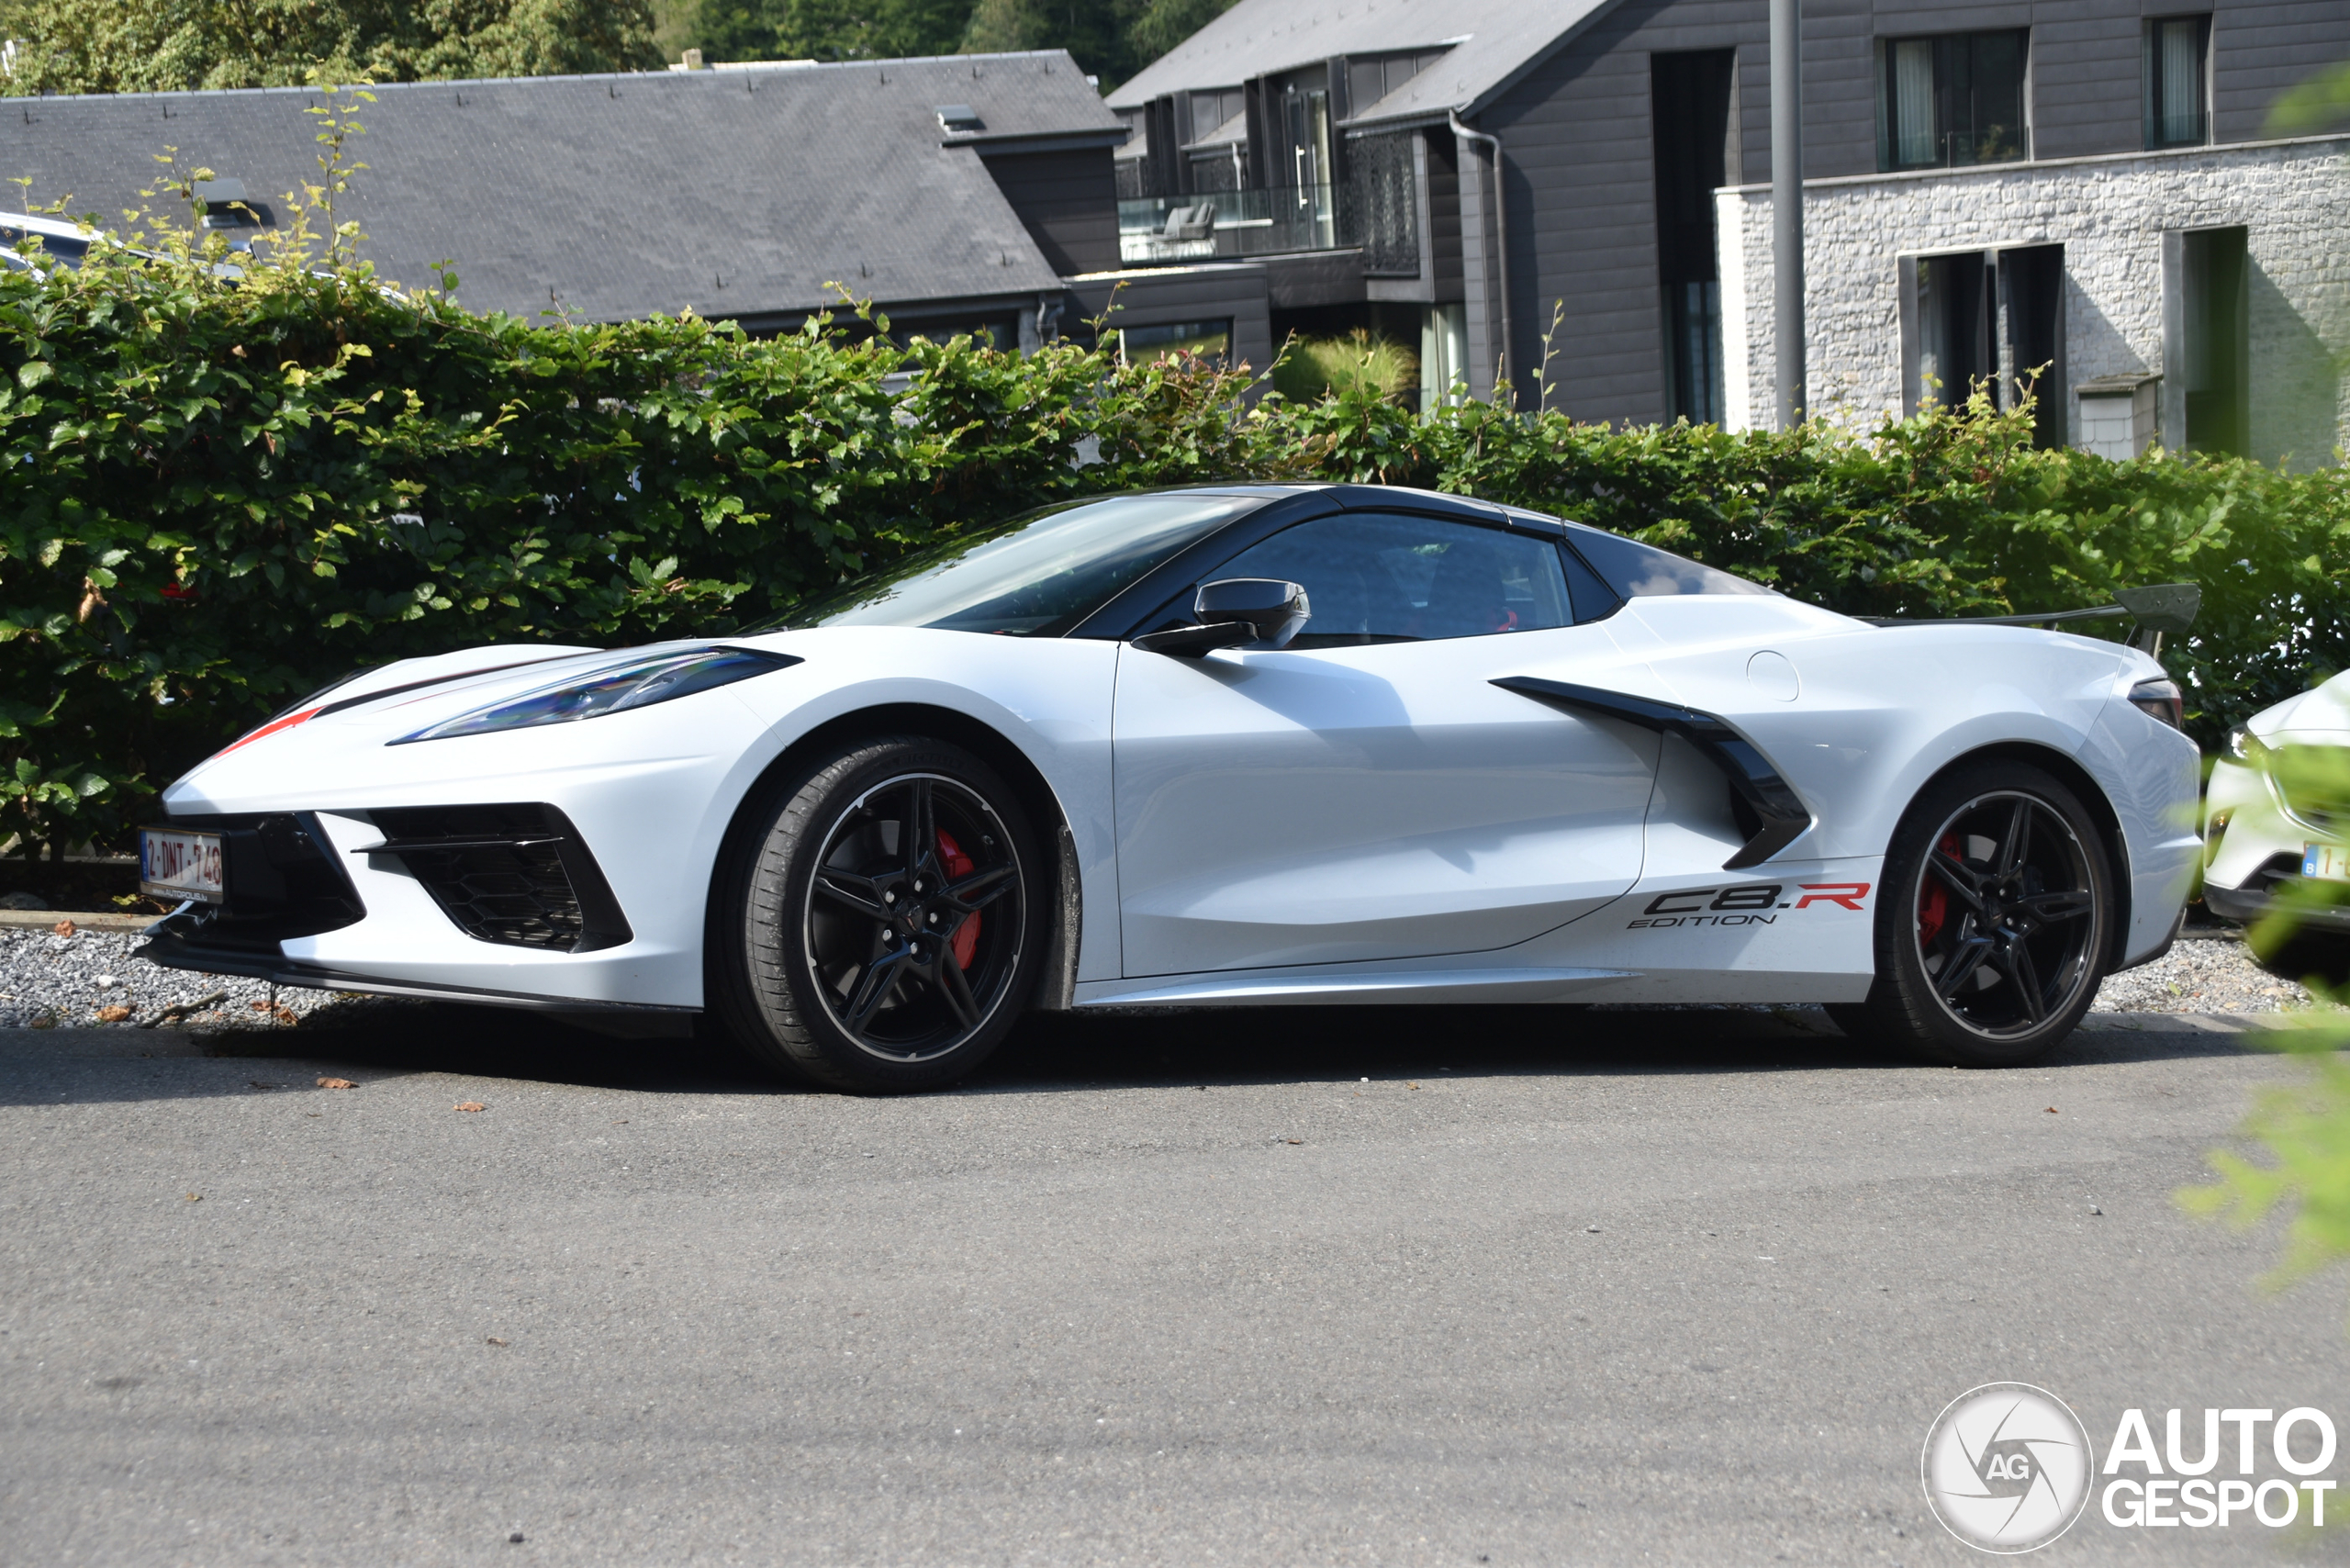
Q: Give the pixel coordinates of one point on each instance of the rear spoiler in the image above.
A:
(2157, 608)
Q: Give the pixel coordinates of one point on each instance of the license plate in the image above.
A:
(176, 864)
(2326, 862)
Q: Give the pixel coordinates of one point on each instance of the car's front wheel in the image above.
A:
(878, 928)
(1994, 922)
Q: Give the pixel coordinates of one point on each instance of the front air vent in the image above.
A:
(516, 875)
(2274, 873)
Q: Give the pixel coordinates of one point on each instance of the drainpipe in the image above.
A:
(1787, 207)
(1501, 240)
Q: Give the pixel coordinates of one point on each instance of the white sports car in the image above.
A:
(2267, 822)
(1230, 746)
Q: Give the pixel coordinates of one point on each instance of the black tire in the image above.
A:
(1995, 923)
(877, 925)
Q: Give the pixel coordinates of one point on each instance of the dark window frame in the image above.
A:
(1693, 97)
(1999, 312)
(1957, 63)
(2159, 129)
(1178, 335)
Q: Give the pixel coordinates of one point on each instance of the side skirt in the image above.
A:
(1276, 988)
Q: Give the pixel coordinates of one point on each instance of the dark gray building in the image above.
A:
(955, 193)
(2084, 185)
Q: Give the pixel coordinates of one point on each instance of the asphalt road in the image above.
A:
(1517, 1286)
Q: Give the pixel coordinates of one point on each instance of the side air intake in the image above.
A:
(1769, 811)
(517, 874)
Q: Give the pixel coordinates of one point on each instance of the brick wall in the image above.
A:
(2109, 213)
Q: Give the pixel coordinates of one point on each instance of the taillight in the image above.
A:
(2161, 699)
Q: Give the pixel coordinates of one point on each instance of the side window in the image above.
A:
(1636, 570)
(1374, 578)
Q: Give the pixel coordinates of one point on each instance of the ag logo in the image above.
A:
(2008, 1467)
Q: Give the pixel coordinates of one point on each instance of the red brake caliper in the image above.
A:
(965, 940)
(1933, 902)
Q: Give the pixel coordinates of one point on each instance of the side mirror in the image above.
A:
(1232, 613)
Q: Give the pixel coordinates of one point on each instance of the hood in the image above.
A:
(2324, 712)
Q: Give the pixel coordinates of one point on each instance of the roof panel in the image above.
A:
(738, 193)
(1493, 39)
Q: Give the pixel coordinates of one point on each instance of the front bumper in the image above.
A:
(293, 881)
(2265, 892)
(2253, 850)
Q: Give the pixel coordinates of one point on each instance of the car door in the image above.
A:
(1366, 793)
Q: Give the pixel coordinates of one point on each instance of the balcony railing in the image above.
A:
(1376, 211)
(1215, 224)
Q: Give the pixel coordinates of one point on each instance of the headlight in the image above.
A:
(638, 684)
(2162, 700)
(2246, 747)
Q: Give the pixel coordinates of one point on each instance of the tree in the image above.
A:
(1097, 33)
(1109, 39)
(2303, 1128)
(830, 29)
(1166, 23)
(106, 46)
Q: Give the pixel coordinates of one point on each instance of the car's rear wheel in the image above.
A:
(1995, 923)
(878, 929)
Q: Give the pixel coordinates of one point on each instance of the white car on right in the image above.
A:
(2278, 811)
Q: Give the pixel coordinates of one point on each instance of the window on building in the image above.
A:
(1955, 334)
(2208, 350)
(1212, 341)
(1444, 355)
(1951, 100)
(1991, 320)
(2177, 109)
(2031, 300)
(1370, 77)
(1691, 125)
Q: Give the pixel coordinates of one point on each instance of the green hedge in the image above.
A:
(199, 482)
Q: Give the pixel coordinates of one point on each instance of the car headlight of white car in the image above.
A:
(639, 683)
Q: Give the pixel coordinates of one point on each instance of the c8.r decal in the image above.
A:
(1745, 904)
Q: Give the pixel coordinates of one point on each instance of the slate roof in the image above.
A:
(736, 193)
(1497, 40)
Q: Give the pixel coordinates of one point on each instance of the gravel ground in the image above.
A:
(2200, 974)
(71, 980)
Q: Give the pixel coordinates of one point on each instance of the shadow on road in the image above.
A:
(1046, 1053)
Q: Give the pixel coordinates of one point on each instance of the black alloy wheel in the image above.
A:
(886, 929)
(1996, 921)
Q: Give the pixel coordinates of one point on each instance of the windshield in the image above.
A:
(1036, 575)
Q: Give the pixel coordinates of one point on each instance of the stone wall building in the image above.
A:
(2202, 297)
(2079, 186)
